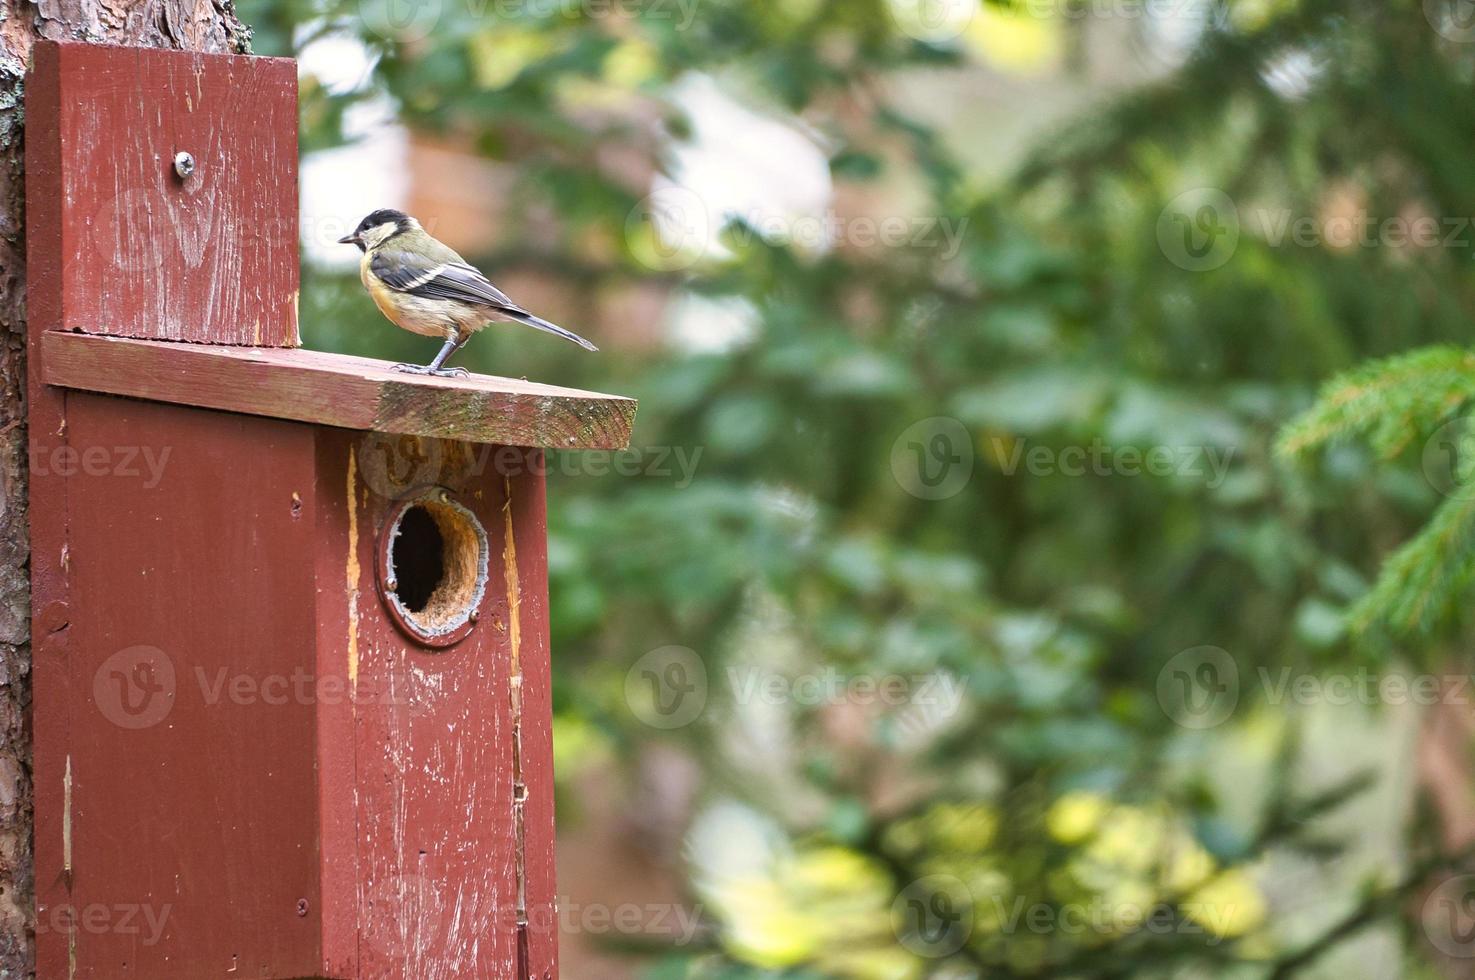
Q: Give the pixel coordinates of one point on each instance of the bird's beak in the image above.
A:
(350, 239)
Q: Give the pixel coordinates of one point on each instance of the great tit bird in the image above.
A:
(424, 287)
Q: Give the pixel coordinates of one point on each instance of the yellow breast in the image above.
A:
(425, 316)
(382, 295)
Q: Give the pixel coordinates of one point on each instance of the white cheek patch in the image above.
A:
(378, 233)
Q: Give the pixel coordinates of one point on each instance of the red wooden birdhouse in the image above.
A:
(291, 665)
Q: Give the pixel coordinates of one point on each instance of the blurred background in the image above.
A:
(987, 592)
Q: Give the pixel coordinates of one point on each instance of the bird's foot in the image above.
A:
(445, 372)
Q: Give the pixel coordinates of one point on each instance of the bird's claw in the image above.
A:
(450, 372)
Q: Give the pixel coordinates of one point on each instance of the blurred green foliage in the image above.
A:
(1069, 318)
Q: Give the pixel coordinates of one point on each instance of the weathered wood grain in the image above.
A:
(332, 389)
(195, 24)
(32, 202)
(395, 818)
(423, 862)
(211, 258)
(526, 545)
(433, 794)
(191, 698)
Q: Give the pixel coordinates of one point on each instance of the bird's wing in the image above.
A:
(455, 280)
(413, 274)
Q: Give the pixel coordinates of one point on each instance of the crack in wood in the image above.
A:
(519, 786)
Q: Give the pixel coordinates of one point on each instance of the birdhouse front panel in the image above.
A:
(442, 620)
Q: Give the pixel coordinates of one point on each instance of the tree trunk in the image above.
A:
(199, 25)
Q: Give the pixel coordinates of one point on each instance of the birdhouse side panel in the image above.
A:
(529, 526)
(184, 707)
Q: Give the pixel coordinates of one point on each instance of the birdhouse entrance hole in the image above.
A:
(433, 568)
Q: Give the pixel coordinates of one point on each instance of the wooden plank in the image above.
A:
(51, 692)
(527, 544)
(211, 258)
(50, 586)
(431, 785)
(338, 390)
(191, 754)
(344, 574)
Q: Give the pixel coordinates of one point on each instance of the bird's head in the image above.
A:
(378, 228)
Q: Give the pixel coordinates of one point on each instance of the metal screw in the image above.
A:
(302, 906)
(184, 164)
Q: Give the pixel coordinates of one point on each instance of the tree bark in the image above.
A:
(198, 25)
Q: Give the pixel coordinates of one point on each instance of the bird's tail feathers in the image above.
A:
(553, 328)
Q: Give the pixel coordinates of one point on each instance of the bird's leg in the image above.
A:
(435, 367)
(452, 344)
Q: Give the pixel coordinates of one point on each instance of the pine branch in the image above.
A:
(1390, 401)
(1420, 582)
